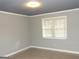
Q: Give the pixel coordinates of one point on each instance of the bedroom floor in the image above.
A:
(34, 53)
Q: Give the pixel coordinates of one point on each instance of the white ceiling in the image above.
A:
(17, 6)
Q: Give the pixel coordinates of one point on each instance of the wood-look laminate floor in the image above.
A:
(34, 53)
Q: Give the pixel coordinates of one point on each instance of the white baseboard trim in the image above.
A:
(53, 49)
(13, 53)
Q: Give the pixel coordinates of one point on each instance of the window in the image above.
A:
(54, 27)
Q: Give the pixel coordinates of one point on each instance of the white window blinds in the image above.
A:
(55, 27)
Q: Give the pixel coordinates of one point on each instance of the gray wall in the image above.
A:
(18, 32)
(13, 33)
(72, 41)
(3, 58)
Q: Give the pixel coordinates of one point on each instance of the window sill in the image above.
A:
(55, 38)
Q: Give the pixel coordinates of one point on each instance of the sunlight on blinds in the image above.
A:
(55, 27)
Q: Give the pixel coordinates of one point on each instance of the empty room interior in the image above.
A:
(39, 29)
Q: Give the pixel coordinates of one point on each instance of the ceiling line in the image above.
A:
(75, 9)
(11, 13)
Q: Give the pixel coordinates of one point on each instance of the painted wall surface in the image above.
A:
(13, 33)
(18, 32)
(3, 58)
(72, 41)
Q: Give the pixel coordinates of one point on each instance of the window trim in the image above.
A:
(62, 17)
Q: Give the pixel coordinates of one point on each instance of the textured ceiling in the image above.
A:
(17, 6)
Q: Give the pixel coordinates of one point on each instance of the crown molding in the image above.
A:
(10, 13)
(76, 9)
(69, 10)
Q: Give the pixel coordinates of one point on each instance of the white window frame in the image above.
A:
(53, 18)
